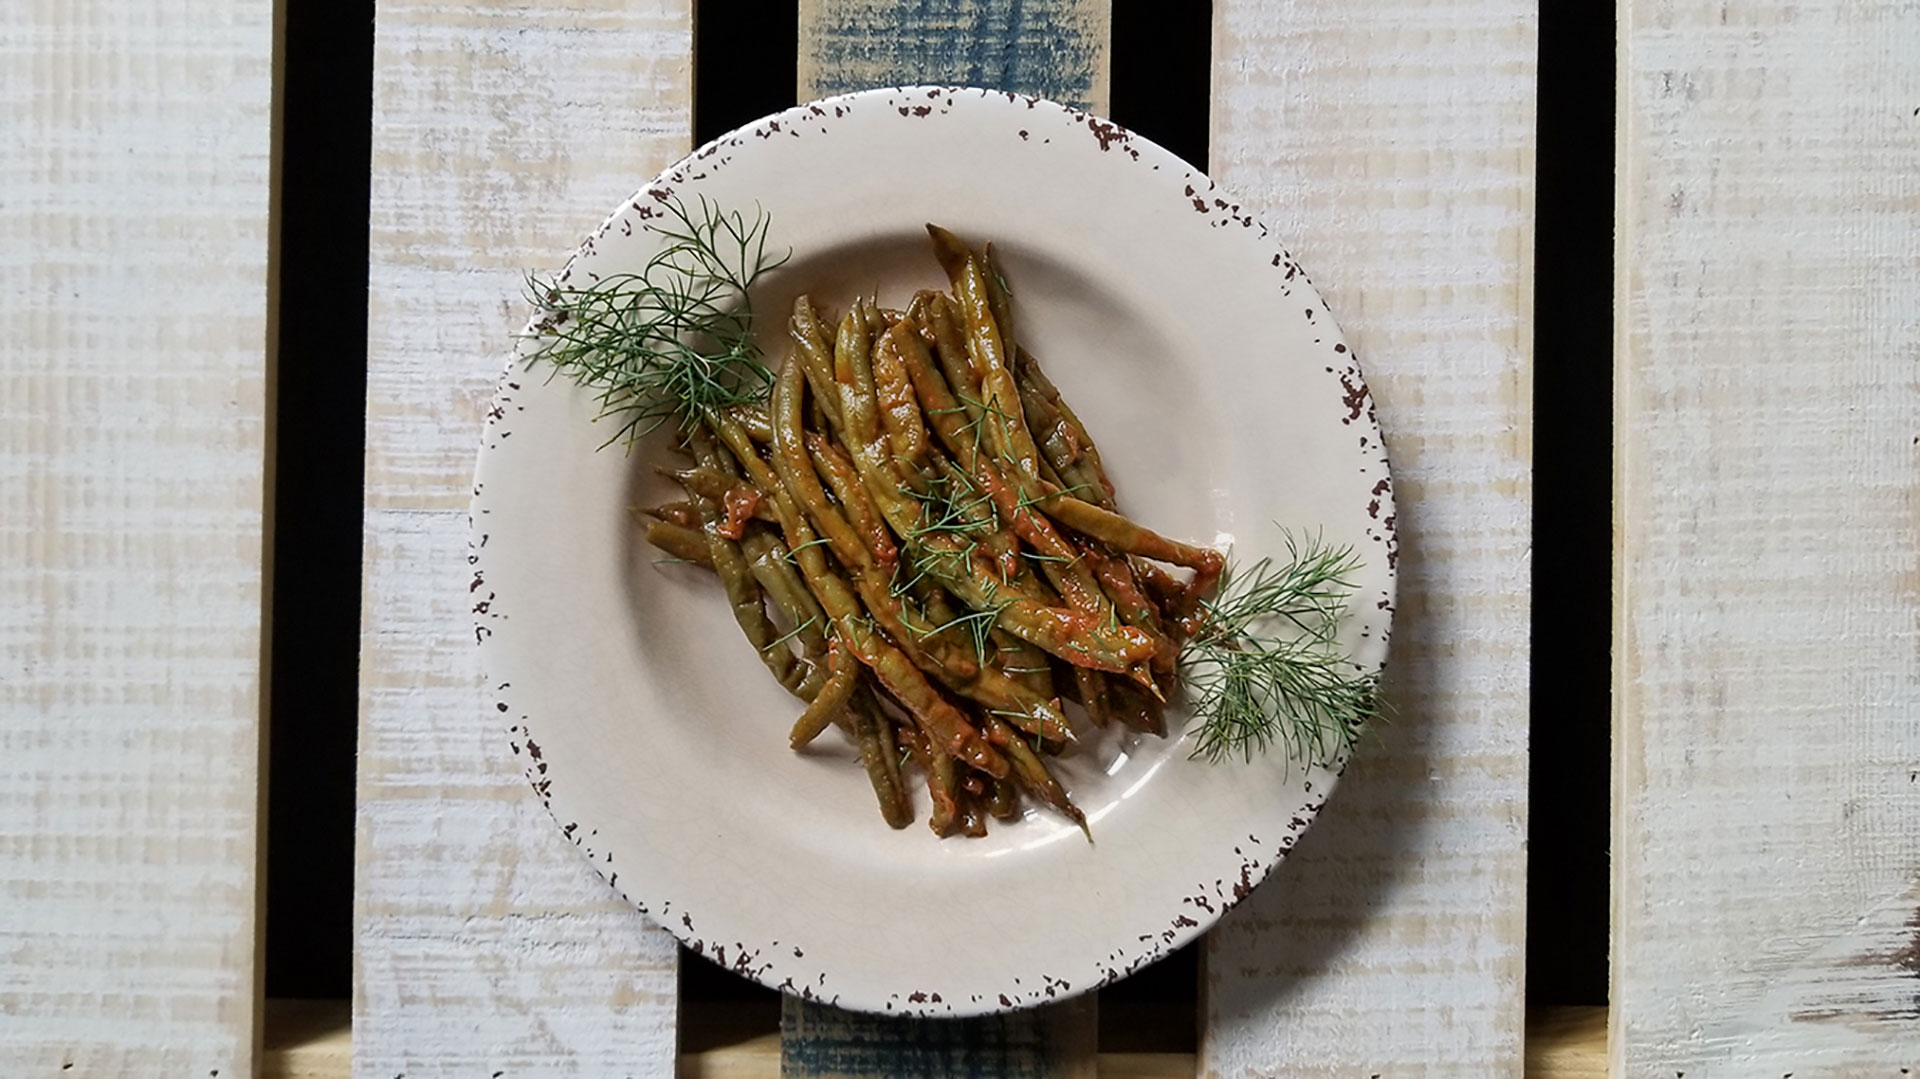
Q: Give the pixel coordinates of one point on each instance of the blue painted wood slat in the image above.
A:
(1055, 48)
(1054, 1042)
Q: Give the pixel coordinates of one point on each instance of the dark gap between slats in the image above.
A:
(1163, 73)
(1161, 88)
(745, 65)
(1570, 814)
(320, 408)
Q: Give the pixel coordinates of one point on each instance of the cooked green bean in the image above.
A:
(685, 544)
(744, 596)
(954, 562)
(679, 512)
(853, 379)
(1006, 426)
(1116, 578)
(934, 527)
(974, 578)
(1003, 800)
(999, 300)
(833, 697)
(1029, 371)
(726, 490)
(981, 524)
(1066, 459)
(867, 558)
(753, 420)
(875, 318)
(972, 818)
(1136, 709)
(1061, 561)
(950, 348)
(1031, 772)
(899, 410)
(833, 467)
(1092, 688)
(815, 356)
(1023, 662)
(1076, 581)
(911, 629)
(945, 726)
(795, 470)
(942, 783)
(871, 732)
(1125, 535)
(805, 679)
(771, 565)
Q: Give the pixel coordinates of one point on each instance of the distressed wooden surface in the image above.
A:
(485, 944)
(1567, 1043)
(134, 222)
(307, 1039)
(313, 1040)
(1055, 1042)
(1391, 143)
(1058, 49)
(1767, 734)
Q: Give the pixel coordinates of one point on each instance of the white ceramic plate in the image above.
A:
(1226, 406)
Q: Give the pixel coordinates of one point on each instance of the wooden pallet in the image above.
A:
(1766, 675)
(314, 1040)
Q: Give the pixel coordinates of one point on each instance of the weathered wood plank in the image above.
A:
(1767, 649)
(134, 205)
(485, 944)
(1059, 49)
(1567, 1043)
(312, 1040)
(1058, 1042)
(1392, 142)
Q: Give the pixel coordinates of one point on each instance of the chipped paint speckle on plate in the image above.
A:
(1225, 403)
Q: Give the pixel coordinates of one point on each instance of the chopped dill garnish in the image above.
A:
(673, 341)
(792, 633)
(977, 624)
(952, 503)
(793, 555)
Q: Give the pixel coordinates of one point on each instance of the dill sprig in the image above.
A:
(1265, 664)
(673, 341)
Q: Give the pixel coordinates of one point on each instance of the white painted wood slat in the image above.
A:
(1767, 634)
(1392, 142)
(134, 230)
(484, 942)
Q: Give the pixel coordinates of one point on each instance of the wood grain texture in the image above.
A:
(307, 1039)
(1055, 1042)
(1567, 1043)
(1058, 49)
(313, 1040)
(1392, 143)
(1767, 725)
(485, 943)
(134, 221)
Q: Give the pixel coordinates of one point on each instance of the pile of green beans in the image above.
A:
(917, 535)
